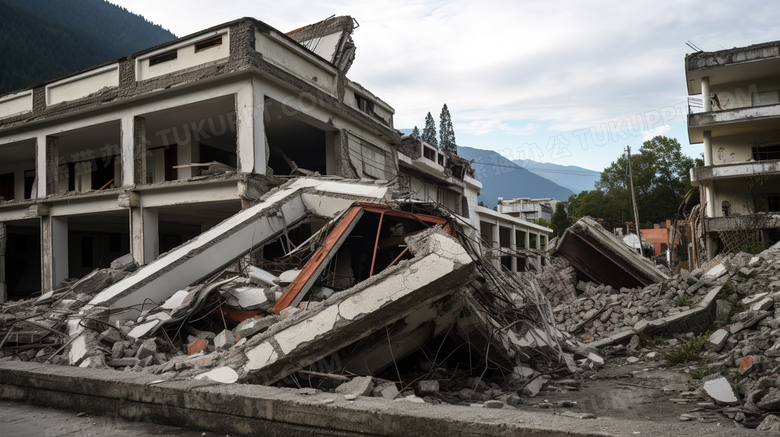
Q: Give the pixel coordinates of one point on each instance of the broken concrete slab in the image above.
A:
(720, 390)
(234, 237)
(717, 340)
(439, 266)
(359, 386)
(597, 254)
(426, 388)
(224, 375)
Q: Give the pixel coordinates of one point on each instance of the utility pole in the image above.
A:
(633, 201)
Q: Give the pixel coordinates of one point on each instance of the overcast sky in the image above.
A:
(568, 82)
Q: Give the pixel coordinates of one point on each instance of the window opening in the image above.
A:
(766, 153)
(164, 57)
(209, 43)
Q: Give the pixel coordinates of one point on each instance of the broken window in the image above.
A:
(364, 104)
(372, 160)
(765, 98)
(209, 43)
(765, 153)
(774, 203)
(29, 181)
(164, 57)
(7, 186)
(429, 153)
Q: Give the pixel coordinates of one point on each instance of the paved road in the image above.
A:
(22, 420)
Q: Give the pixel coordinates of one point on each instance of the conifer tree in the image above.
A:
(416, 133)
(429, 132)
(446, 131)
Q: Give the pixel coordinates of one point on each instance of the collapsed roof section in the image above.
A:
(331, 39)
(597, 255)
(214, 249)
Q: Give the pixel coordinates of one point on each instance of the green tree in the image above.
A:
(415, 133)
(560, 219)
(429, 131)
(446, 131)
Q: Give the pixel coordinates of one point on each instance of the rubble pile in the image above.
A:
(379, 281)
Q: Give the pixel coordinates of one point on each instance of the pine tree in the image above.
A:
(415, 133)
(446, 132)
(429, 132)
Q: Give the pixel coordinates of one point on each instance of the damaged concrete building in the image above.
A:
(737, 122)
(141, 154)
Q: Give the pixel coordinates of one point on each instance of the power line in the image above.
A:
(515, 167)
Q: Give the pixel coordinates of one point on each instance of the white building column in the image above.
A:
(513, 246)
(707, 147)
(709, 197)
(46, 157)
(144, 234)
(54, 251)
(151, 234)
(705, 93)
(250, 136)
(527, 242)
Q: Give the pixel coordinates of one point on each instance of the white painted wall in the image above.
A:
(16, 104)
(737, 94)
(278, 53)
(186, 56)
(84, 84)
(739, 148)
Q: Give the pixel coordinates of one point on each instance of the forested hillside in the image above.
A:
(45, 39)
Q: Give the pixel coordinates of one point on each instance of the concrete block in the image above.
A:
(428, 387)
(358, 386)
(717, 340)
(224, 340)
(147, 348)
(386, 390)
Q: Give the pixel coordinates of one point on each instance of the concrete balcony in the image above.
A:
(770, 220)
(740, 170)
(732, 121)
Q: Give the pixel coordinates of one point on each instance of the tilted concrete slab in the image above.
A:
(597, 254)
(439, 267)
(207, 253)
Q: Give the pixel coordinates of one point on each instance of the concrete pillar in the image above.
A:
(250, 135)
(705, 93)
(707, 147)
(496, 245)
(709, 197)
(144, 234)
(527, 242)
(3, 246)
(138, 167)
(513, 246)
(54, 251)
(46, 165)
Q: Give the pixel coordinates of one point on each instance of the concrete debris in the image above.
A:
(358, 386)
(721, 391)
(598, 255)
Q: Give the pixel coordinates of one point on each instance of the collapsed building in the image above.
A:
(254, 217)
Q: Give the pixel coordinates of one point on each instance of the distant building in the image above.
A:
(738, 122)
(527, 208)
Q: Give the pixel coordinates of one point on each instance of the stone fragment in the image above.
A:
(428, 387)
(359, 386)
(717, 340)
(532, 388)
(386, 390)
(197, 346)
(632, 360)
(250, 327)
(125, 262)
(224, 340)
(634, 343)
(771, 401)
(770, 423)
(493, 404)
(289, 276)
(147, 348)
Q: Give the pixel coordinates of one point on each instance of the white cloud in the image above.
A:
(499, 64)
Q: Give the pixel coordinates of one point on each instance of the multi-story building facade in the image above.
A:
(527, 208)
(143, 153)
(738, 122)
